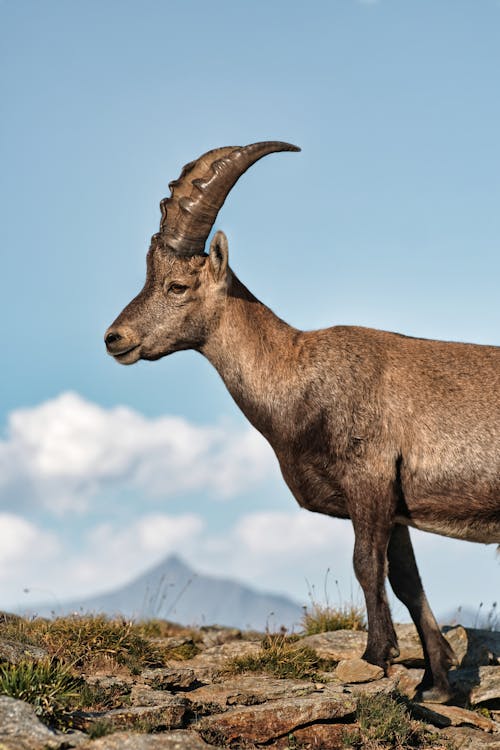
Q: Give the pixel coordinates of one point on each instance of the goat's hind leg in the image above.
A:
(406, 583)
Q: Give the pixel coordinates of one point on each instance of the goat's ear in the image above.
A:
(218, 255)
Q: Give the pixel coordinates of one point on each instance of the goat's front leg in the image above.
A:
(372, 521)
(406, 583)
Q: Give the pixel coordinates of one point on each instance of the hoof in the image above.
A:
(433, 695)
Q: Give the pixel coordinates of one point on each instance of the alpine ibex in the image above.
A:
(384, 429)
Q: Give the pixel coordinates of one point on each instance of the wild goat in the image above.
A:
(387, 430)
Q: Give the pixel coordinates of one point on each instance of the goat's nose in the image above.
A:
(111, 338)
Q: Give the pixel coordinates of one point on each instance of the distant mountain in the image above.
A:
(174, 591)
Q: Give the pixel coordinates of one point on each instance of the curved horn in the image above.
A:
(197, 195)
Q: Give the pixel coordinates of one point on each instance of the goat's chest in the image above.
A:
(312, 479)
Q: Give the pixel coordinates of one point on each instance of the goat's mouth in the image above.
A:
(127, 356)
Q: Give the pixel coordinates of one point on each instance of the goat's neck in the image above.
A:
(254, 352)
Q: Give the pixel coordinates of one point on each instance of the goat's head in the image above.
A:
(185, 288)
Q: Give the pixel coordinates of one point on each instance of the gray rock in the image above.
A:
(15, 651)
(21, 729)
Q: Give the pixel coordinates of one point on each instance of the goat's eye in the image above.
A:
(177, 288)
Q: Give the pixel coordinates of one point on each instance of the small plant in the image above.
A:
(282, 656)
(322, 618)
(384, 722)
(47, 684)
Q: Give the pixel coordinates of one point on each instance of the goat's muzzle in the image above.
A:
(122, 344)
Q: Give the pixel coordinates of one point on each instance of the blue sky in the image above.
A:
(387, 218)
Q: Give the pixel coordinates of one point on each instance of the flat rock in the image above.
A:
(249, 690)
(337, 644)
(15, 651)
(21, 729)
(357, 670)
(170, 713)
(176, 740)
(446, 716)
(269, 721)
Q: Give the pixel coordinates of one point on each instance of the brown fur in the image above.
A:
(387, 430)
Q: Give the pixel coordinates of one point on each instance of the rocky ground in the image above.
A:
(207, 700)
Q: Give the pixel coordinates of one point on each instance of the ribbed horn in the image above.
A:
(197, 196)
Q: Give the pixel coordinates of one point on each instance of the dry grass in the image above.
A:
(323, 618)
(83, 640)
(320, 618)
(282, 656)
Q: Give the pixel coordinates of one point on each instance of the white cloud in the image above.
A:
(275, 533)
(23, 548)
(18, 537)
(281, 551)
(63, 452)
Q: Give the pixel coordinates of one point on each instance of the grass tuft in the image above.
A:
(325, 618)
(282, 656)
(384, 722)
(47, 684)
